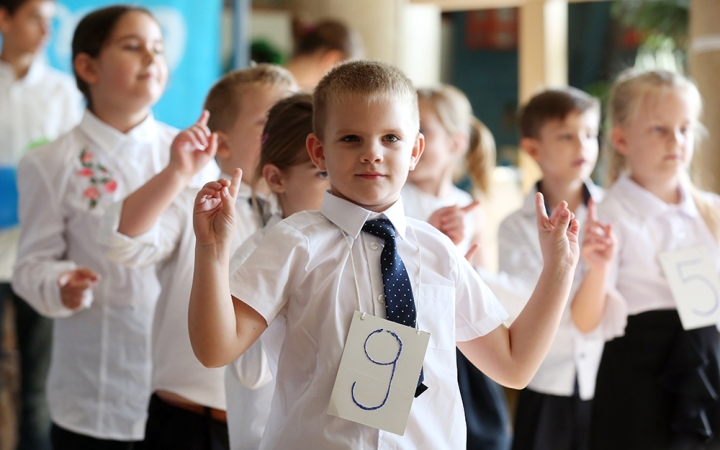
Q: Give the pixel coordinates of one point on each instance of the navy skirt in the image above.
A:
(658, 387)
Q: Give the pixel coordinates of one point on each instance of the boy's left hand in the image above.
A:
(598, 247)
(558, 234)
(193, 147)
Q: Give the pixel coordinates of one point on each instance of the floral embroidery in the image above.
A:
(98, 176)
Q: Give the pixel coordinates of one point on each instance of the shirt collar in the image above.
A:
(590, 191)
(350, 217)
(108, 138)
(644, 202)
(33, 76)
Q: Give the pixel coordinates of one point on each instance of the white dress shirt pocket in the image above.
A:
(436, 308)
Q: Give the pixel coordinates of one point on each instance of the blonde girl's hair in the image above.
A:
(628, 93)
(455, 114)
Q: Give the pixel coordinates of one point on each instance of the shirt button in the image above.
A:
(381, 298)
(374, 246)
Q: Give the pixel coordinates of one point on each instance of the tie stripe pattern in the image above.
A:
(399, 300)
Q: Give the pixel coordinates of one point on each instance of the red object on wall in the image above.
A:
(491, 29)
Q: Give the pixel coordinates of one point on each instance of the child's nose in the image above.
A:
(372, 153)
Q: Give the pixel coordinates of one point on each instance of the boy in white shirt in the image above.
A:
(558, 129)
(37, 104)
(315, 268)
(153, 225)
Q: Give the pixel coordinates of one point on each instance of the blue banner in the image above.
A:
(8, 197)
(192, 44)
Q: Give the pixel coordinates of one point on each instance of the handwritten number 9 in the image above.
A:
(392, 363)
(698, 278)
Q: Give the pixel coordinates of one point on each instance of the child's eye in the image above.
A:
(350, 138)
(159, 50)
(392, 138)
(660, 130)
(566, 137)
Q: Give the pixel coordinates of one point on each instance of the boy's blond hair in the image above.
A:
(366, 80)
(224, 101)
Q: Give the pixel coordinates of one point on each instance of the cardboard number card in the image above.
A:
(378, 373)
(695, 286)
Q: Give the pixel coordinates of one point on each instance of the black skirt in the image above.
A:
(486, 410)
(657, 387)
(551, 422)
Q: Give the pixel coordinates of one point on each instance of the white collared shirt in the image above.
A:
(170, 245)
(250, 379)
(421, 205)
(99, 381)
(34, 109)
(302, 270)
(645, 226)
(572, 354)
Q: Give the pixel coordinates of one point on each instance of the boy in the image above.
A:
(38, 104)
(316, 268)
(559, 129)
(154, 226)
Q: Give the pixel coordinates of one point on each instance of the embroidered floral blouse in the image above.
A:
(99, 381)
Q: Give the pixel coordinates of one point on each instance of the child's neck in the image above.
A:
(121, 120)
(437, 186)
(666, 190)
(305, 71)
(20, 61)
(556, 191)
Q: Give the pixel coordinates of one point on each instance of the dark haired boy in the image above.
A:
(559, 130)
(37, 104)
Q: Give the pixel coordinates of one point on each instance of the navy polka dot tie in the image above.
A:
(399, 300)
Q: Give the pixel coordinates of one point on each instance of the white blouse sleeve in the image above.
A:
(42, 245)
(151, 247)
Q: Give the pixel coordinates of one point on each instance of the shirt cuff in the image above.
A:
(482, 327)
(116, 243)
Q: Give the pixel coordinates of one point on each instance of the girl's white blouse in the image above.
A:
(99, 381)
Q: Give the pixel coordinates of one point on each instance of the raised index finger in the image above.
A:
(540, 211)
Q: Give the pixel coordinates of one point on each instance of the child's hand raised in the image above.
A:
(75, 286)
(558, 234)
(598, 247)
(214, 212)
(193, 147)
(450, 220)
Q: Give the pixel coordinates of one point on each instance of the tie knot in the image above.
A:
(381, 228)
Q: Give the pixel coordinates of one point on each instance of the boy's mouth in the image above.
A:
(370, 175)
(579, 162)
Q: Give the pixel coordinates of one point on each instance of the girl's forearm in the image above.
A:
(588, 305)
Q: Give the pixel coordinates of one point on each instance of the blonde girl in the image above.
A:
(297, 185)
(457, 142)
(658, 384)
(99, 381)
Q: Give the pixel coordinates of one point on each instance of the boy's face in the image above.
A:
(368, 149)
(28, 29)
(240, 145)
(566, 150)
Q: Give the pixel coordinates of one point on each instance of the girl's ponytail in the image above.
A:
(480, 157)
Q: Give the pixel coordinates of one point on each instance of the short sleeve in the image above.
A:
(266, 279)
(477, 309)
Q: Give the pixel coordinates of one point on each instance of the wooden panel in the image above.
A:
(459, 5)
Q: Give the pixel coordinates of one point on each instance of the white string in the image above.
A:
(415, 298)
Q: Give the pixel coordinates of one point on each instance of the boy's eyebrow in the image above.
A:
(345, 131)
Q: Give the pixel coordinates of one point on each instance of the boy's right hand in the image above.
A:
(598, 247)
(214, 212)
(450, 220)
(75, 285)
(558, 235)
(193, 148)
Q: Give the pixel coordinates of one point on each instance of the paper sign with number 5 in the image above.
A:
(695, 286)
(378, 373)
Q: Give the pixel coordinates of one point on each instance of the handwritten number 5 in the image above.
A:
(698, 278)
(392, 363)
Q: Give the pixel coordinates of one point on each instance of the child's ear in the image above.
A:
(223, 149)
(274, 178)
(417, 150)
(531, 146)
(461, 141)
(617, 137)
(85, 68)
(316, 150)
